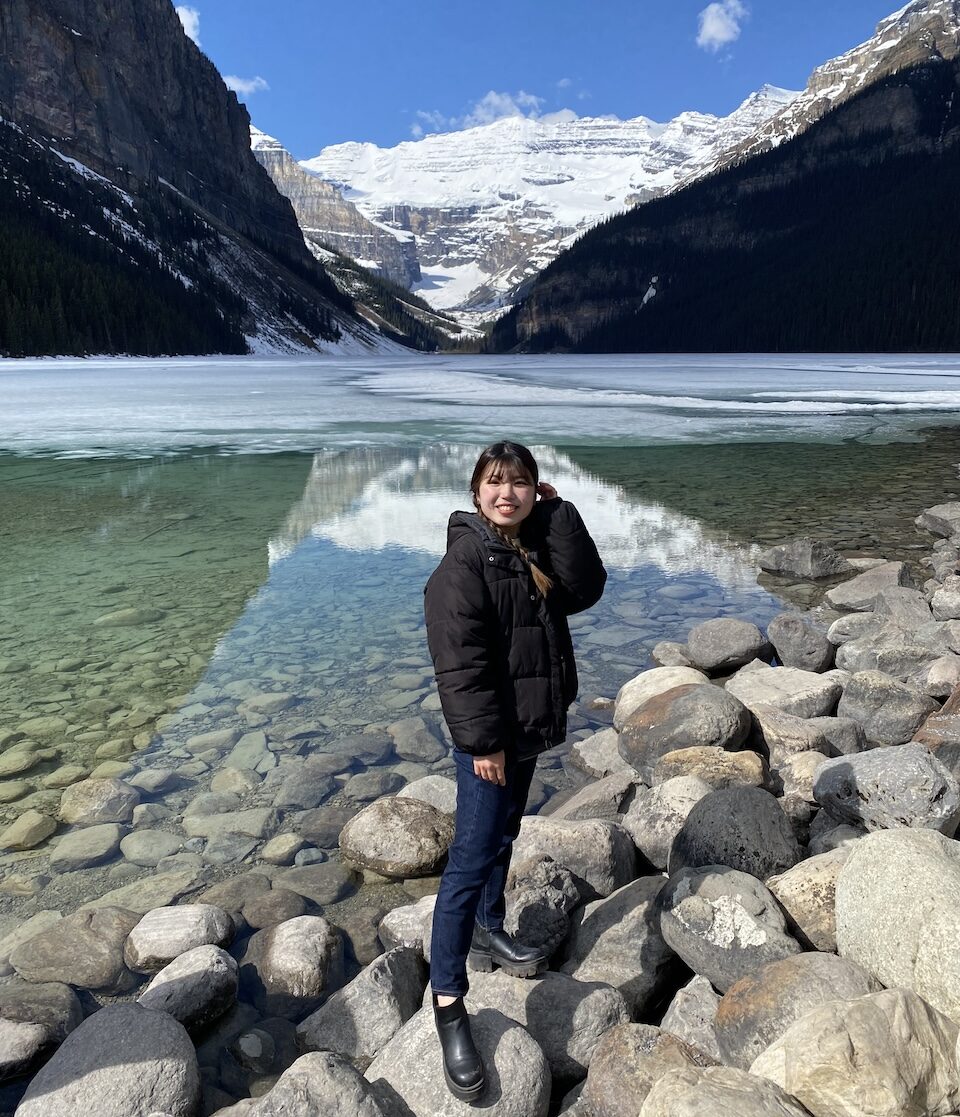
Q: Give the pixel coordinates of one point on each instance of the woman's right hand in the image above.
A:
(492, 767)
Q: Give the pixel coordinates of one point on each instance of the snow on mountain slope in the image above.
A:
(916, 33)
(491, 205)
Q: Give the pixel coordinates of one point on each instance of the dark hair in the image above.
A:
(516, 458)
(512, 458)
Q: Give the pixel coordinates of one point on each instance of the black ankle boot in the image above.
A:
(462, 1066)
(497, 948)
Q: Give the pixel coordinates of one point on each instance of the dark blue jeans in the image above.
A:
(473, 883)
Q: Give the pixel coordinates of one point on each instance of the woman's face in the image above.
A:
(506, 497)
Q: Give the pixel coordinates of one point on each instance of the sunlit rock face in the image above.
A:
(327, 218)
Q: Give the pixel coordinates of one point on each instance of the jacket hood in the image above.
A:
(468, 523)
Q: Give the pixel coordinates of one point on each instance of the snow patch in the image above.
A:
(85, 172)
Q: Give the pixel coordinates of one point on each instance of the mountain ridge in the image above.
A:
(840, 239)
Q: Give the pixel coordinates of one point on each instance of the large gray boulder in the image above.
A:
(686, 716)
(857, 594)
(807, 894)
(648, 684)
(438, 791)
(887, 1054)
(398, 838)
(658, 813)
(407, 925)
(618, 940)
(694, 1092)
(889, 650)
(358, 1020)
(318, 1084)
(120, 1061)
(902, 607)
(165, 933)
(598, 755)
(517, 1072)
(806, 694)
(853, 626)
(21, 1045)
(565, 1016)
(289, 969)
(890, 787)
(723, 923)
(844, 736)
(540, 896)
(759, 1008)
(889, 711)
(605, 799)
(942, 519)
(628, 1060)
(195, 988)
(898, 913)
(784, 735)
(799, 644)
(723, 644)
(743, 827)
(33, 1019)
(804, 558)
(691, 1014)
(945, 602)
(84, 949)
(601, 855)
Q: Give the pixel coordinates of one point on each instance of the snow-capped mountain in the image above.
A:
(919, 32)
(490, 206)
(326, 217)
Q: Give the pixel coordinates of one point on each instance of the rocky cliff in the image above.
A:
(115, 89)
(328, 219)
(118, 85)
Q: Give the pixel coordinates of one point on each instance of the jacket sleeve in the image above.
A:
(578, 573)
(461, 638)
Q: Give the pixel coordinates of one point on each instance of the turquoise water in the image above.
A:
(180, 539)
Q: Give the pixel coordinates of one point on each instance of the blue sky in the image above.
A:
(317, 72)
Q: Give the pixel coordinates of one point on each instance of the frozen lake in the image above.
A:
(261, 405)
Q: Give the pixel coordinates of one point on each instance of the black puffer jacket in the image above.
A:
(501, 651)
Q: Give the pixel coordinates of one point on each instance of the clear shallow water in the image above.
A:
(274, 523)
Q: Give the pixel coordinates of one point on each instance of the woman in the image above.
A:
(496, 610)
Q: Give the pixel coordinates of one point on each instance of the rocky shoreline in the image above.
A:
(751, 894)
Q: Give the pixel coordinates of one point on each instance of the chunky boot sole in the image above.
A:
(484, 961)
(464, 1093)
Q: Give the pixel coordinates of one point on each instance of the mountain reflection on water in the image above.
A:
(373, 499)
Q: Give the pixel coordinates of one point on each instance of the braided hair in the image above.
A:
(512, 458)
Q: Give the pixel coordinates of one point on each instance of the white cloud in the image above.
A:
(720, 24)
(495, 106)
(564, 83)
(561, 116)
(190, 18)
(245, 87)
(491, 106)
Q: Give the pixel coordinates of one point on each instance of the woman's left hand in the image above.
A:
(546, 491)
